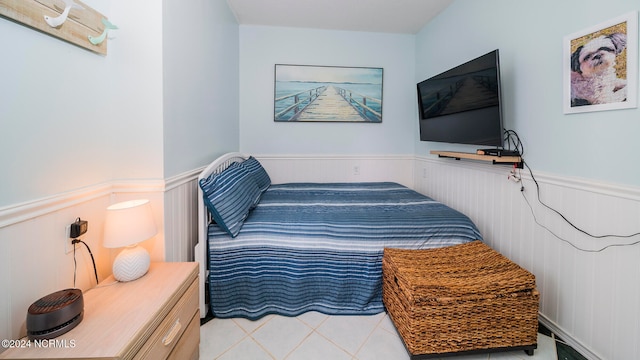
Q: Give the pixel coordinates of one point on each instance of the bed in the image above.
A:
(298, 247)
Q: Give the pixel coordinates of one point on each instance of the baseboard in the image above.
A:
(559, 332)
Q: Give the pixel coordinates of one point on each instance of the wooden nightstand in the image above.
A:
(154, 317)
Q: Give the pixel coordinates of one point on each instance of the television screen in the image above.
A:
(463, 104)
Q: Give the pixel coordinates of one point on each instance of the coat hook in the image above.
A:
(59, 20)
(99, 39)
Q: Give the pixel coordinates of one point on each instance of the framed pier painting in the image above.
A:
(308, 93)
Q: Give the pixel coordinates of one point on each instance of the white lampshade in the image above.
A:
(128, 223)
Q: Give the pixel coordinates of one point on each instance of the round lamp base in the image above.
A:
(132, 263)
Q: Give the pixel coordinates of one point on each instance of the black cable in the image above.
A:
(75, 264)
(565, 240)
(511, 138)
(565, 218)
(95, 270)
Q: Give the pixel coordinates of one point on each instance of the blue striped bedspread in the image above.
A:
(316, 246)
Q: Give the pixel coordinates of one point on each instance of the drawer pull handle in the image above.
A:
(175, 329)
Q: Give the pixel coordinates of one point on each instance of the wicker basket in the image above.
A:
(459, 299)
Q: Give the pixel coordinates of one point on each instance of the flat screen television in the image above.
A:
(463, 105)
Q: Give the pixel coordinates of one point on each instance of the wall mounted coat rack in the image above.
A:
(70, 20)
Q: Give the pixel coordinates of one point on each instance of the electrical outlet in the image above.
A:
(356, 170)
(424, 173)
(68, 246)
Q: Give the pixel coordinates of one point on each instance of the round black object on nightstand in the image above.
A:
(55, 314)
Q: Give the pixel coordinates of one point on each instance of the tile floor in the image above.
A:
(314, 335)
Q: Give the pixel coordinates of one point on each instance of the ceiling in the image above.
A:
(389, 16)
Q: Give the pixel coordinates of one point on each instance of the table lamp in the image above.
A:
(127, 224)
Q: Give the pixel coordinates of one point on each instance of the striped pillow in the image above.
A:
(229, 196)
(260, 175)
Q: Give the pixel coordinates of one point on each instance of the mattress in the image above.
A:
(318, 247)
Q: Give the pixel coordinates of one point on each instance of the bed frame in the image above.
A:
(200, 250)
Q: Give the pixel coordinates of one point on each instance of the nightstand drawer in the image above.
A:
(188, 346)
(169, 332)
(130, 320)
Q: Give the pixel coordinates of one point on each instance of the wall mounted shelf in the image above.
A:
(499, 160)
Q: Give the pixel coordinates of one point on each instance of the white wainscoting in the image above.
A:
(33, 262)
(181, 215)
(591, 299)
(338, 168)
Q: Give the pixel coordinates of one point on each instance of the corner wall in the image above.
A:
(200, 82)
(589, 298)
(530, 39)
(79, 131)
(33, 261)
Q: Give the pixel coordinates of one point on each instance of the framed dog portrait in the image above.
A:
(600, 66)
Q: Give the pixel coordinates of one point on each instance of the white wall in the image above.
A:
(582, 161)
(163, 101)
(588, 298)
(262, 47)
(597, 145)
(79, 131)
(200, 82)
(70, 118)
(134, 109)
(200, 72)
